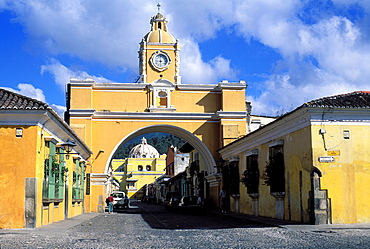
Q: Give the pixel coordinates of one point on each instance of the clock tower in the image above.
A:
(159, 54)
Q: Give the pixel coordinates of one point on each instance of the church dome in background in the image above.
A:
(143, 150)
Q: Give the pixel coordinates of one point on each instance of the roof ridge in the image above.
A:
(13, 100)
(356, 99)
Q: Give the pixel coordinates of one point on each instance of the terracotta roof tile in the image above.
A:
(11, 100)
(358, 99)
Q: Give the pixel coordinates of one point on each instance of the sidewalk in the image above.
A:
(55, 228)
(293, 224)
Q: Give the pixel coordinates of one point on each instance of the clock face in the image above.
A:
(160, 60)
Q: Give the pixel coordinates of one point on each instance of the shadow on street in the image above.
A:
(157, 217)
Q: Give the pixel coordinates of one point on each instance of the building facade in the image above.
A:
(107, 115)
(40, 181)
(143, 166)
(311, 165)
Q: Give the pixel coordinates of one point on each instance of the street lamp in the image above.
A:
(220, 163)
(68, 146)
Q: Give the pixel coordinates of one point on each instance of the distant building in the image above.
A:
(176, 161)
(143, 166)
(310, 165)
(256, 122)
(40, 181)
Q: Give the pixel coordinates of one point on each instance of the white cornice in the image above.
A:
(153, 115)
(296, 120)
(48, 120)
(119, 86)
(160, 44)
(268, 133)
(233, 86)
(234, 115)
(197, 87)
(81, 112)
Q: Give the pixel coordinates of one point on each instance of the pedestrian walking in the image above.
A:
(109, 202)
(223, 196)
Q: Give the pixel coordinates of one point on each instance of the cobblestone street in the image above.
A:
(151, 226)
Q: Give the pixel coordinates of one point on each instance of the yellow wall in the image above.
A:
(168, 74)
(297, 157)
(21, 158)
(130, 166)
(347, 178)
(16, 157)
(106, 133)
(233, 100)
(198, 101)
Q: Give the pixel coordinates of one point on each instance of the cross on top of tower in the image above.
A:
(159, 7)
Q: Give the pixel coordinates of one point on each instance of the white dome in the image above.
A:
(143, 150)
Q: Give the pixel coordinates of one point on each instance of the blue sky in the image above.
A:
(289, 52)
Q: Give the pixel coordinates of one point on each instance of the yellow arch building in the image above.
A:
(107, 115)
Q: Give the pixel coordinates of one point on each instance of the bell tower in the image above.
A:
(159, 53)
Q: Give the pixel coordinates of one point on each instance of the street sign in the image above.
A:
(326, 159)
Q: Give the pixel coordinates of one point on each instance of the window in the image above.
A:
(162, 95)
(251, 175)
(54, 172)
(148, 168)
(78, 180)
(131, 184)
(140, 168)
(275, 169)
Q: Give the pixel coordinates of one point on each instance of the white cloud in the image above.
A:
(320, 57)
(62, 74)
(29, 91)
(280, 95)
(59, 109)
(195, 71)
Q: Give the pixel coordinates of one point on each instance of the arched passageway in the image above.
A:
(177, 131)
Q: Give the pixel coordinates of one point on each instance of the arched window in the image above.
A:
(140, 168)
(162, 95)
(148, 168)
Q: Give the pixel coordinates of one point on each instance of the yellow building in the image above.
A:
(316, 159)
(143, 166)
(107, 115)
(39, 182)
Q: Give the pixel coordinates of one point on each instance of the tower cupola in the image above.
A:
(159, 54)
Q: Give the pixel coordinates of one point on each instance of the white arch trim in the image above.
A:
(177, 131)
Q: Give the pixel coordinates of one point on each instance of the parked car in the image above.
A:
(190, 204)
(169, 195)
(117, 195)
(124, 203)
(173, 203)
(149, 199)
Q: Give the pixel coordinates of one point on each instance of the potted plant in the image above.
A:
(274, 173)
(250, 177)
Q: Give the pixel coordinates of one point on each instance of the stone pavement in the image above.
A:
(296, 225)
(61, 227)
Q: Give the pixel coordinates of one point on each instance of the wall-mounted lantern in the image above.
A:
(220, 163)
(68, 146)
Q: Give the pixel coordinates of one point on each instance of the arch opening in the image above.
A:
(174, 130)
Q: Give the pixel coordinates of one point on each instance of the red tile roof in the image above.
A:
(11, 100)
